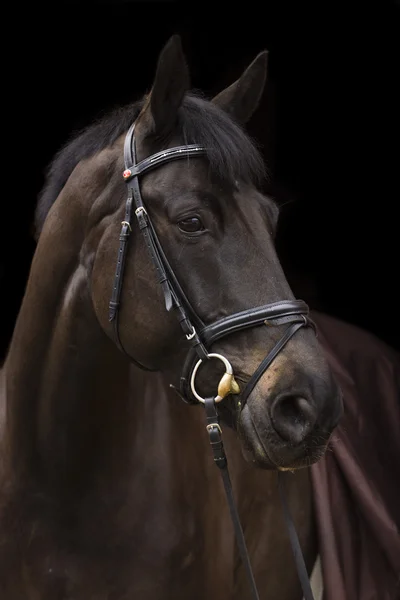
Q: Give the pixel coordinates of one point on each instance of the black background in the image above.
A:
(328, 124)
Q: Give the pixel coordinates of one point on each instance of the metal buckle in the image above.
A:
(127, 223)
(211, 426)
(190, 336)
(140, 210)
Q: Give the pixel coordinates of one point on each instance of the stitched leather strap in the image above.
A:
(215, 436)
(263, 366)
(114, 304)
(269, 314)
(166, 156)
(294, 541)
(174, 296)
(217, 446)
(119, 271)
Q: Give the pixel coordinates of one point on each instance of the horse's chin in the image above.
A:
(253, 449)
(259, 453)
(256, 456)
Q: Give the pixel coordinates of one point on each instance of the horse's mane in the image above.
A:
(230, 151)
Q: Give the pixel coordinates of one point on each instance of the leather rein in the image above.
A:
(200, 336)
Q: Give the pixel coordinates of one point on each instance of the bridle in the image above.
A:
(200, 336)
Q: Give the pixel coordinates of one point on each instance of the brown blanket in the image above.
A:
(357, 484)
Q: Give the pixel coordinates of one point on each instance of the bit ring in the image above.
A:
(228, 371)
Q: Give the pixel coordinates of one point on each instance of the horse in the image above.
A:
(108, 487)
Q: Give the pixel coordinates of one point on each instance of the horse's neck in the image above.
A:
(66, 383)
(79, 418)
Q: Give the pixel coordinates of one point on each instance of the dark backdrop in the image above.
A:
(328, 124)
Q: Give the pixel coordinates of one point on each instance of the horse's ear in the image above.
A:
(241, 98)
(171, 82)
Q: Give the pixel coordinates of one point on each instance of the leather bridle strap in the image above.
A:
(289, 312)
(220, 459)
(275, 313)
(294, 541)
(263, 366)
(113, 307)
(215, 437)
(173, 294)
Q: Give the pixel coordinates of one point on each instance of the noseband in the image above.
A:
(200, 336)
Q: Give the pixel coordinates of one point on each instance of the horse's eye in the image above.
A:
(191, 225)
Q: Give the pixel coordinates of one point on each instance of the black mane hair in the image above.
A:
(231, 153)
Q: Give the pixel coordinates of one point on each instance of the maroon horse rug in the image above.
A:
(357, 483)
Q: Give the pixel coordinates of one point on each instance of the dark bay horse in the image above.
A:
(108, 488)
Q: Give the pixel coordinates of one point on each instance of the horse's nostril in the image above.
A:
(292, 417)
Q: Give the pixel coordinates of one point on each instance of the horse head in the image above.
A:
(209, 241)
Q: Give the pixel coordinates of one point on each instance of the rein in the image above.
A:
(215, 436)
(200, 336)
